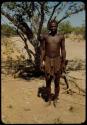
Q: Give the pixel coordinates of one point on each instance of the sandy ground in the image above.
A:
(20, 103)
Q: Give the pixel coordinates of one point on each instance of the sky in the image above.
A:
(75, 20)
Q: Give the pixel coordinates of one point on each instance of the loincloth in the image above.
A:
(52, 65)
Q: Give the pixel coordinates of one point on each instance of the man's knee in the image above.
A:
(57, 76)
(57, 80)
(48, 78)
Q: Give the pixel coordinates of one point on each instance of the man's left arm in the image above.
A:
(63, 51)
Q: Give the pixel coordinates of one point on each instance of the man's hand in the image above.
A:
(63, 66)
(42, 66)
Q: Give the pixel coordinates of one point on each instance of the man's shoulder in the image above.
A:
(61, 35)
(43, 35)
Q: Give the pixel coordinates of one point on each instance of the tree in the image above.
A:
(29, 19)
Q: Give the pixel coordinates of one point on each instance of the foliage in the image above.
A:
(79, 30)
(65, 27)
(8, 30)
(44, 30)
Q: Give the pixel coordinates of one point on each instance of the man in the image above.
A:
(53, 54)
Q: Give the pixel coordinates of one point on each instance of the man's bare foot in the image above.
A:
(55, 102)
(49, 102)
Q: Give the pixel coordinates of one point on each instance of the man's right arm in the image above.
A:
(42, 49)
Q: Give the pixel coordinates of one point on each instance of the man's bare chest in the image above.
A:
(53, 40)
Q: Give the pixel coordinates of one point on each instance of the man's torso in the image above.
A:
(52, 45)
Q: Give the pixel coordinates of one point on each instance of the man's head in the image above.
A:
(52, 26)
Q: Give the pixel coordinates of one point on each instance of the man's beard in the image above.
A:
(53, 32)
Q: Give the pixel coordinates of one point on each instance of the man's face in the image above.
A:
(53, 27)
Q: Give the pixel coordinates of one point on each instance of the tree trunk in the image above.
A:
(37, 59)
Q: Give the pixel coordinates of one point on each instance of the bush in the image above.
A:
(7, 30)
(65, 27)
(79, 31)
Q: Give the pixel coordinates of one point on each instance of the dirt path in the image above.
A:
(20, 104)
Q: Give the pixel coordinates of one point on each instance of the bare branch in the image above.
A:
(42, 19)
(54, 9)
(26, 46)
(68, 15)
(23, 27)
(80, 89)
(9, 17)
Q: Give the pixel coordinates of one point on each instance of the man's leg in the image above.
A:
(48, 85)
(57, 86)
(65, 79)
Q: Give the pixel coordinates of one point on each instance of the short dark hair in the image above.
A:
(50, 22)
